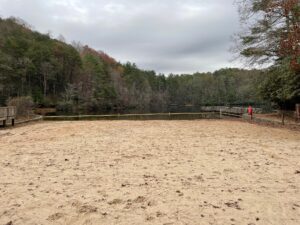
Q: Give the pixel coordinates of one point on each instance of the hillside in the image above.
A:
(79, 79)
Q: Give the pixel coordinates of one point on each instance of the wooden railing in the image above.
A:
(298, 112)
(8, 114)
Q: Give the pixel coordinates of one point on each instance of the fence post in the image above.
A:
(297, 112)
(282, 117)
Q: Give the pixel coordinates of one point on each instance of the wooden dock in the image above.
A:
(8, 114)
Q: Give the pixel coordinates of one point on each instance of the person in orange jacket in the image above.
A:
(250, 111)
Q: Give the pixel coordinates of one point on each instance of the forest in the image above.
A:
(75, 78)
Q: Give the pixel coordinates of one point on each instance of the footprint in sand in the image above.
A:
(115, 202)
(87, 209)
(55, 216)
(232, 204)
(139, 199)
(83, 208)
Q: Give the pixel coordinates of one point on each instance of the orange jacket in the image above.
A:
(250, 110)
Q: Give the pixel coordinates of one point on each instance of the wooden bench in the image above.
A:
(8, 114)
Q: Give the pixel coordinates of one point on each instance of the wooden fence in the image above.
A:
(8, 114)
(226, 109)
(298, 112)
(214, 112)
(156, 116)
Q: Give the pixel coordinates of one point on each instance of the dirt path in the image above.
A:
(154, 172)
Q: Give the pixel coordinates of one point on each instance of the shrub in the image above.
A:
(24, 105)
(66, 107)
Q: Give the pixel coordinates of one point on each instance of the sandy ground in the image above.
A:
(277, 118)
(155, 172)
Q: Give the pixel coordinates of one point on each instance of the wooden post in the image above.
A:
(282, 117)
(297, 112)
(13, 122)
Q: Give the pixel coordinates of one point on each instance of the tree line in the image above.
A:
(78, 79)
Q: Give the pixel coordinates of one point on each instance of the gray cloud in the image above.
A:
(179, 36)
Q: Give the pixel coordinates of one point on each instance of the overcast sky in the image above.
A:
(179, 36)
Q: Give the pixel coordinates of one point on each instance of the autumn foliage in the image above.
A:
(290, 41)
